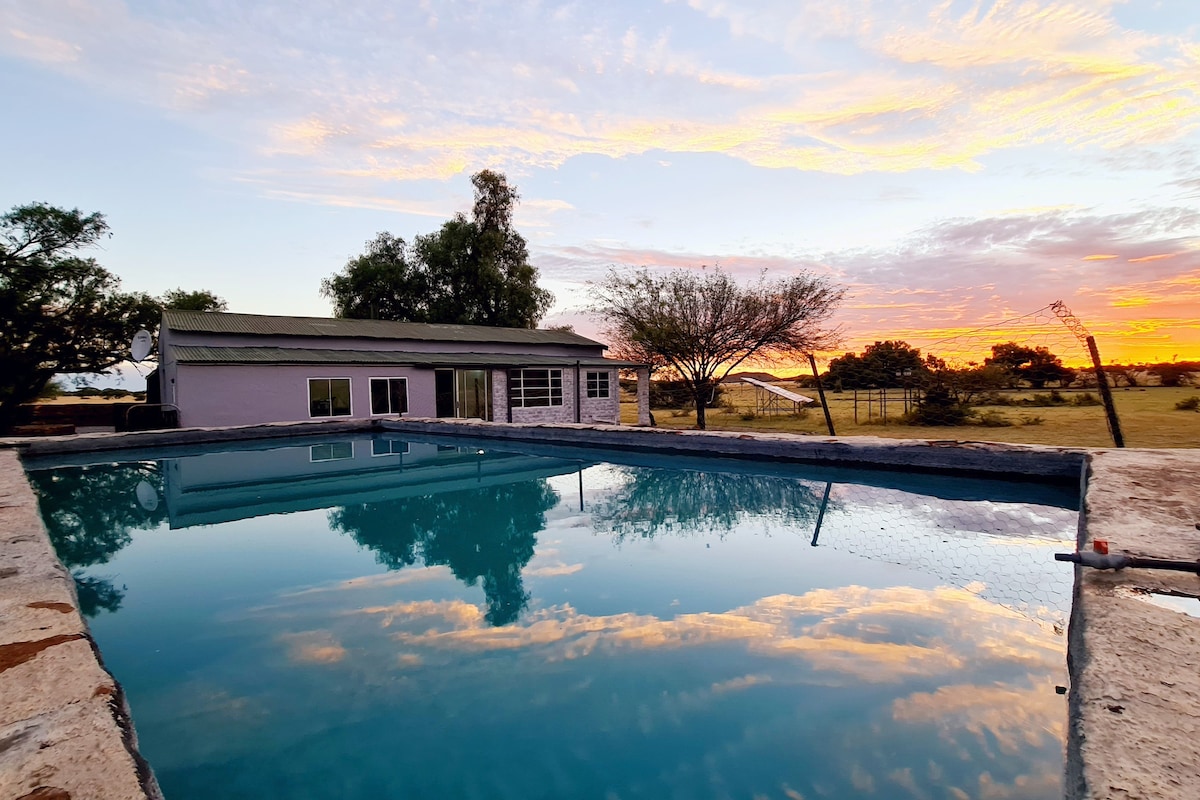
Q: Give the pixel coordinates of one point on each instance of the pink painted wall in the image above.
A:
(210, 396)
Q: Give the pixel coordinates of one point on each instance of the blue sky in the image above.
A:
(953, 163)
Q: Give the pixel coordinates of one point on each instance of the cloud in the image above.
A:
(313, 647)
(387, 93)
(1012, 717)
(826, 629)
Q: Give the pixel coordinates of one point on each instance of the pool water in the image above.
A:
(373, 617)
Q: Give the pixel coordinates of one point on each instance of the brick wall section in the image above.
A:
(643, 397)
(563, 413)
(601, 409)
(499, 395)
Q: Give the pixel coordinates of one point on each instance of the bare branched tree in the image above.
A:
(702, 324)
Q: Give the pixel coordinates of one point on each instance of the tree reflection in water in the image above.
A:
(485, 534)
(654, 502)
(89, 513)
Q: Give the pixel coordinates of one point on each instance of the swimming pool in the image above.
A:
(367, 617)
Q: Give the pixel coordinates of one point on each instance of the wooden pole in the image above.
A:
(1114, 424)
(821, 393)
(821, 516)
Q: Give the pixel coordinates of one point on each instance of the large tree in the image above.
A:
(473, 271)
(703, 323)
(1036, 365)
(882, 365)
(60, 313)
(200, 300)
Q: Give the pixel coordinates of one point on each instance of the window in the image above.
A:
(597, 384)
(388, 447)
(389, 395)
(331, 452)
(529, 388)
(329, 397)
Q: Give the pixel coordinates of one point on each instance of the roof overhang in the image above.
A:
(283, 356)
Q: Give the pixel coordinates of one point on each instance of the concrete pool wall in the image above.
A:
(1135, 667)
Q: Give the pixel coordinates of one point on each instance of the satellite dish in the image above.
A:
(147, 495)
(141, 345)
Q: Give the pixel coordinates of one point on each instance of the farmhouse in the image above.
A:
(241, 369)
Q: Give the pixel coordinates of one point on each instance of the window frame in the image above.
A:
(518, 391)
(334, 454)
(371, 395)
(392, 451)
(602, 379)
(329, 381)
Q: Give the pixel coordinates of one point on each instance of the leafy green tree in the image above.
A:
(703, 324)
(882, 365)
(202, 300)
(382, 283)
(473, 271)
(1035, 365)
(60, 313)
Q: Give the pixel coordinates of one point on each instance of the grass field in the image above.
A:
(1147, 415)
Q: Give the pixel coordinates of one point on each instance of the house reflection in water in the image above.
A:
(475, 511)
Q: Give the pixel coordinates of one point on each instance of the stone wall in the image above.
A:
(65, 730)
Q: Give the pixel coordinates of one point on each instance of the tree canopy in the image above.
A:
(59, 311)
(882, 365)
(1037, 365)
(702, 323)
(473, 271)
(201, 300)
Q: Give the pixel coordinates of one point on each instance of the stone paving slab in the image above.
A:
(1135, 667)
(64, 728)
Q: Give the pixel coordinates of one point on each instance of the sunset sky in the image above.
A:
(954, 164)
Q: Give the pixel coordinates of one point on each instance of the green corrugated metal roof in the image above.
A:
(261, 325)
(192, 354)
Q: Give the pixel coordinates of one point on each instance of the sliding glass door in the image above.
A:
(463, 393)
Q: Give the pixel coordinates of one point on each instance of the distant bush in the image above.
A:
(1189, 404)
(937, 408)
(52, 390)
(993, 419)
(995, 399)
(1055, 398)
(678, 394)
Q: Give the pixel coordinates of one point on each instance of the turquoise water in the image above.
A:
(367, 618)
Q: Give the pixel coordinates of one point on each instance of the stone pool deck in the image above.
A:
(65, 731)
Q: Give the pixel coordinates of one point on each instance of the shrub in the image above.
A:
(995, 399)
(993, 419)
(1030, 419)
(748, 415)
(937, 407)
(677, 394)
(1189, 404)
(52, 390)
(1055, 398)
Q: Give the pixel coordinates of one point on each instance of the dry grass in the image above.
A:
(1148, 419)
